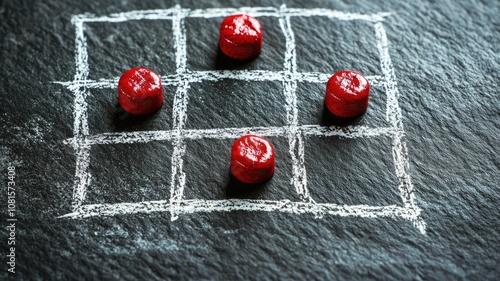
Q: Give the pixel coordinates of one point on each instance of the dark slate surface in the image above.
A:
(446, 59)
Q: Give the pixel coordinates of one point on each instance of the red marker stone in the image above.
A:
(347, 94)
(252, 159)
(140, 91)
(240, 37)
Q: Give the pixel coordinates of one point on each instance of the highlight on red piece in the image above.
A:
(240, 37)
(252, 159)
(347, 94)
(140, 91)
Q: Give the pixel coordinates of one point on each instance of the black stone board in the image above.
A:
(446, 61)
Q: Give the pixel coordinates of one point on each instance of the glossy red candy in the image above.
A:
(240, 37)
(347, 94)
(252, 159)
(140, 91)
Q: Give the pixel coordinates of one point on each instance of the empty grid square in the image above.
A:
(114, 48)
(354, 177)
(312, 109)
(106, 115)
(203, 46)
(349, 45)
(129, 173)
(207, 168)
(229, 103)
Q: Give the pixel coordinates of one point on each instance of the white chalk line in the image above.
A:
(394, 117)
(80, 115)
(295, 139)
(200, 76)
(393, 112)
(349, 132)
(170, 14)
(179, 112)
(228, 205)
(80, 126)
(179, 34)
(178, 177)
(82, 175)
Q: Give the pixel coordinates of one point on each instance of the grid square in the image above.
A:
(312, 109)
(129, 173)
(350, 45)
(115, 47)
(345, 183)
(205, 41)
(208, 174)
(230, 103)
(106, 115)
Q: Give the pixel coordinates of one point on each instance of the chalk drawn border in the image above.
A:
(289, 76)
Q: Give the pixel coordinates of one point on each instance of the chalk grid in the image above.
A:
(82, 141)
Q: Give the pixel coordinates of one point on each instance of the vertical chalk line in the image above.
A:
(295, 138)
(179, 113)
(82, 174)
(80, 126)
(80, 115)
(394, 116)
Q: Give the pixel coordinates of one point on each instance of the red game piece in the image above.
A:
(140, 91)
(252, 159)
(347, 94)
(240, 37)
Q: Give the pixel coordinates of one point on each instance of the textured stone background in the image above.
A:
(446, 59)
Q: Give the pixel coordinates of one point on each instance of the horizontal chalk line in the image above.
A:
(200, 76)
(232, 133)
(195, 206)
(169, 14)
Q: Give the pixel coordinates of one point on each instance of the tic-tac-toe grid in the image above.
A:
(294, 133)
